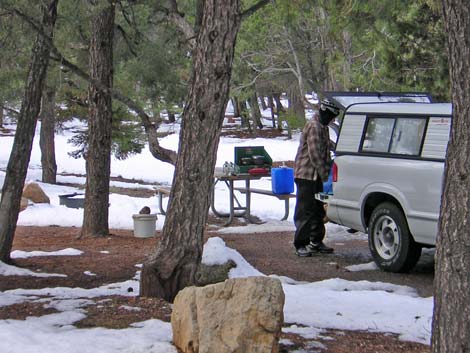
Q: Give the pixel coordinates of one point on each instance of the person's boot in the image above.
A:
(319, 248)
(303, 251)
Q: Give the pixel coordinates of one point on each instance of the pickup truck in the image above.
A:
(388, 172)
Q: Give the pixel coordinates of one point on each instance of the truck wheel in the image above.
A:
(390, 242)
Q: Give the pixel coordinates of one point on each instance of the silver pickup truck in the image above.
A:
(388, 172)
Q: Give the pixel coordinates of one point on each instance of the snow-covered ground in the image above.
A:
(335, 303)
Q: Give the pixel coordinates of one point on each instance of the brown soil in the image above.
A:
(270, 253)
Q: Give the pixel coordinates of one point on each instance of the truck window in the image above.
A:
(407, 136)
(394, 135)
(378, 134)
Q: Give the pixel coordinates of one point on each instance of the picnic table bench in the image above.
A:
(284, 197)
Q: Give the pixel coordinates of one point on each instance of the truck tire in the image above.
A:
(390, 242)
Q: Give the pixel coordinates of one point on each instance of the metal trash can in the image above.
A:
(74, 200)
(144, 225)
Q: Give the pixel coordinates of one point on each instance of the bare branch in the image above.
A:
(249, 84)
(250, 11)
(126, 39)
(177, 17)
(185, 28)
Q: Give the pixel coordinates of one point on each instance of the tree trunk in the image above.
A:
(22, 145)
(271, 107)
(279, 107)
(279, 110)
(348, 61)
(174, 264)
(1, 116)
(46, 137)
(296, 103)
(98, 157)
(171, 117)
(298, 71)
(255, 112)
(451, 327)
(236, 107)
(264, 106)
(245, 119)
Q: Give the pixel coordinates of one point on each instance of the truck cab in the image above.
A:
(388, 172)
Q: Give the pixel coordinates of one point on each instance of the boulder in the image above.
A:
(33, 192)
(239, 315)
(23, 204)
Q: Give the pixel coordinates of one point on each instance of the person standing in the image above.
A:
(311, 169)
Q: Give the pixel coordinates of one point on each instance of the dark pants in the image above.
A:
(309, 213)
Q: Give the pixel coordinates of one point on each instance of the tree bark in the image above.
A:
(255, 112)
(348, 61)
(174, 263)
(296, 103)
(46, 137)
(279, 110)
(264, 106)
(1, 116)
(22, 145)
(298, 69)
(245, 119)
(98, 156)
(171, 117)
(271, 107)
(451, 327)
(279, 106)
(236, 107)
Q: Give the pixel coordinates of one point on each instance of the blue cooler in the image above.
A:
(328, 185)
(282, 180)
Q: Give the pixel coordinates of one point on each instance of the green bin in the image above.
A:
(249, 157)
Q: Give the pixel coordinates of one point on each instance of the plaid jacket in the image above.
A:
(313, 155)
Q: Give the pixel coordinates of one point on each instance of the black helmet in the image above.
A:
(328, 111)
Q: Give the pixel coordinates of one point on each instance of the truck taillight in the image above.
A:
(335, 172)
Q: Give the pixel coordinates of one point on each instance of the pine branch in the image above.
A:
(150, 127)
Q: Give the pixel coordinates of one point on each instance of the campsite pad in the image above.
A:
(114, 259)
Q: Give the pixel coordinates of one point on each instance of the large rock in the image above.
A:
(33, 192)
(238, 316)
(23, 203)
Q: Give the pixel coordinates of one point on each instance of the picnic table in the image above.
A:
(236, 208)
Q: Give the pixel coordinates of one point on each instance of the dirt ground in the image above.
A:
(271, 253)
